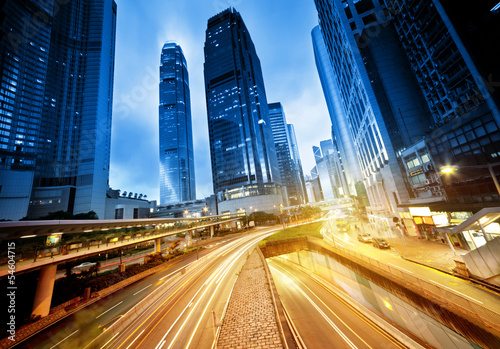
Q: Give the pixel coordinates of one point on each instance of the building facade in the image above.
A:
(454, 54)
(244, 165)
(340, 125)
(380, 97)
(297, 162)
(57, 65)
(290, 179)
(177, 177)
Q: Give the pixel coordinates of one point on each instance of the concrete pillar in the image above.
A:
(44, 289)
(486, 237)
(212, 230)
(158, 245)
(189, 238)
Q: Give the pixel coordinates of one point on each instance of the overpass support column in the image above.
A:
(212, 230)
(158, 245)
(189, 238)
(44, 289)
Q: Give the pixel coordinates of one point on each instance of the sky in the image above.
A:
(281, 33)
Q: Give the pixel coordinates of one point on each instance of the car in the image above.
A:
(365, 237)
(84, 266)
(380, 243)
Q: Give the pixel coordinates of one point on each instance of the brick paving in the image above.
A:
(250, 320)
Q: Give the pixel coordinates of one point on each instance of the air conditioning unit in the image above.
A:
(427, 181)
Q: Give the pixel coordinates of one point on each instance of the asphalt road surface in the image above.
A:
(322, 317)
(170, 309)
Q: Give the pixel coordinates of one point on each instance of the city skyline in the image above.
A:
(280, 44)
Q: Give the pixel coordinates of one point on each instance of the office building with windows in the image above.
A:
(298, 163)
(244, 165)
(328, 169)
(177, 178)
(55, 115)
(378, 94)
(340, 125)
(290, 180)
(453, 50)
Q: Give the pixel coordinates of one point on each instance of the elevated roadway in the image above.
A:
(48, 266)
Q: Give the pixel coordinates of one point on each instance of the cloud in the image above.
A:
(281, 34)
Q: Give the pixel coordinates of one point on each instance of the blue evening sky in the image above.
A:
(281, 32)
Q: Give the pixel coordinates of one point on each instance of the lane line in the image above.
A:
(327, 319)
(135, 339)
(110, 340)
(230, 247)
(455, 291)
(63, 339)
(97, 317)
(160, 345)
(142, 289)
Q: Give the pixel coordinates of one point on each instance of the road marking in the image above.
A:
(142, 289)
(166, 276)
(109, 309)
(455, 291)
(64, 339)
(327, 319)
(160, 345)
(135, 339)
(395, 266)
(110, 340)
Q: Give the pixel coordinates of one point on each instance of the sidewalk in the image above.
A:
(434, 254)
(250, 320)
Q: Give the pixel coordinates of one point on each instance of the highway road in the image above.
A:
(170, 309)
(322, 317)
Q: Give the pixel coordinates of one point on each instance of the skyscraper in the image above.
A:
(340, 124)
(453, 50)
(177, 181)
(377, 95)
(290, 180)
(327, 168)
(244, 165)
(57, 70)
(298, 163)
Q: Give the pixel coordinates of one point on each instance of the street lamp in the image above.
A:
(450, 169)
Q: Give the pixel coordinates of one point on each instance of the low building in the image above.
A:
(127, 205)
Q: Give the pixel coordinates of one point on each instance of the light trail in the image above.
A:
(117, 304)
(142, 289)
(327, 319)
(222, 271)
(63, 339)
(228, 248)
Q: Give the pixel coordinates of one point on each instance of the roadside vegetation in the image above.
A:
(311, 229)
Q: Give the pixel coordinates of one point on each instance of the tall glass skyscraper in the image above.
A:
(244, 165)
(340, 124)
(177, 181)
(298, 163)
(57, 65)
(290, 180)
(383, 107)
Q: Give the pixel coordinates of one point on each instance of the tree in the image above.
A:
(260, 217)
